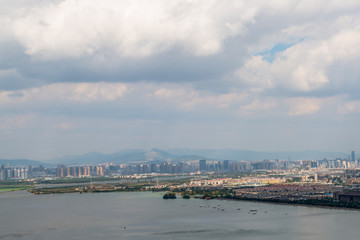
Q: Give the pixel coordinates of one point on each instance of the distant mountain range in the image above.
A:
(245, 155)
(24, 162)
(126, 156)
(179, 154)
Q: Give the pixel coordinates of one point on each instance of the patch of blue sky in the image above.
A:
(269, 55)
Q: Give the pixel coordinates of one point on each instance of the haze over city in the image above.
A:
(83, 76)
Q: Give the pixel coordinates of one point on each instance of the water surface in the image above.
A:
(145, 215)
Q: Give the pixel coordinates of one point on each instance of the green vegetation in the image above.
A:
(13, 188)
(71, 189)
(169, 195)
(294, 179)
(96, 188)
(6, 183)
(75, 180)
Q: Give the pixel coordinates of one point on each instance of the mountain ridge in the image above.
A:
(157, 155)
(248, 155)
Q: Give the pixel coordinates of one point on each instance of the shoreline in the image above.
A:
(291, 204)
(222, 194)
(266, 201)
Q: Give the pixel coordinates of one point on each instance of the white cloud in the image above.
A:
(188, 98)
(138, 28)
(311, 7)
(304, 106)
(304, 66)
(259, 106)
(175, 96)
(68, 92)
(167, 97)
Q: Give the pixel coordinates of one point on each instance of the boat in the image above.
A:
(253, 211)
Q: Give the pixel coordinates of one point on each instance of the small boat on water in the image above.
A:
(253, 211)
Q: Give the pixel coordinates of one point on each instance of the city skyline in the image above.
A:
(166, 166)
(82, 76)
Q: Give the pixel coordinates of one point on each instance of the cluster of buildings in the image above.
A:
(290, 191)
(13, 173)
(29, 172)
(25, 172)
(79, 171)
(237, 182)
(303, 169)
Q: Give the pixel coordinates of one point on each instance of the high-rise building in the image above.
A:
(202, 164)
(67, 172)
(99, 171)
(353, 156)
(60, 171)
(153, 167)
(226, 164)
(164, 167)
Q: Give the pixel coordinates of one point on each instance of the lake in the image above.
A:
(145, 215)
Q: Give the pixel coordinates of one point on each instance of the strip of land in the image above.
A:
(13, 188)
(310, 194)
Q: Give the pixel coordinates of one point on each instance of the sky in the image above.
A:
(78, 76)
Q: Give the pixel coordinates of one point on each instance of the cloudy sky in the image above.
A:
(93, 75)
